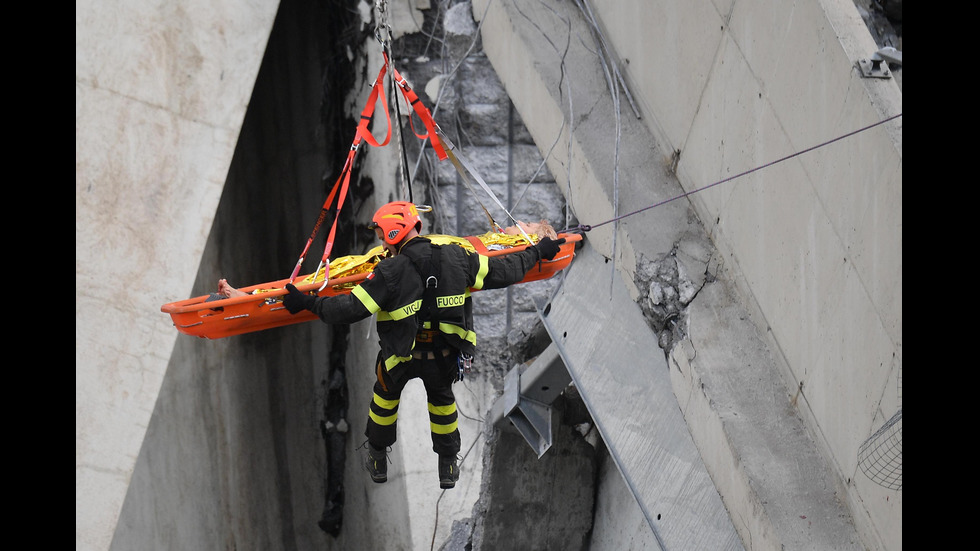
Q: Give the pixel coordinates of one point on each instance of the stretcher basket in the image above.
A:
(261, 308)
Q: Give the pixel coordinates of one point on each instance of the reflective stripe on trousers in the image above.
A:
(436, 375)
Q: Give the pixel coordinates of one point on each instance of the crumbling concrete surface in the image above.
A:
(779, 489)
(542, 503)
(668, 285)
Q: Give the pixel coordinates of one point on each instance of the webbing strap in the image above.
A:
(377, 92)
(339, 191)
(420, 109)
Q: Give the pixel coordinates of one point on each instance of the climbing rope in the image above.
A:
(585, 227)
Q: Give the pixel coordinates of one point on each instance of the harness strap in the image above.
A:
(430, 272)
(377, 92)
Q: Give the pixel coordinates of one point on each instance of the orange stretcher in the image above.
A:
(261, 308)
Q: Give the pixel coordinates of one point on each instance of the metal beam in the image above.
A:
(528, 396)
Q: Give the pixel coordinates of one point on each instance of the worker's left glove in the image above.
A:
(548, 248)
(296, 301)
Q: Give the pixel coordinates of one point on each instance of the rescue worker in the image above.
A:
(421, 295)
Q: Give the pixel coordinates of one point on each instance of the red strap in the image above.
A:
(339, 190)
(344, 182)
(340, 186)
(421, 110)
(377, 92)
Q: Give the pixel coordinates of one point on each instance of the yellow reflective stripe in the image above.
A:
(451, 329)
(365, 299)
(450, 301)
(406, 311)
(401, 313)
(484, 269)
(388, 420)
(443, 429)
(442, 410)
(392, 361)
(387, 404)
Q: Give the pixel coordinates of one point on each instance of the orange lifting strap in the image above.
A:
(339, 190)
(262, 307)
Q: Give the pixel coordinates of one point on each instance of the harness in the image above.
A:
(429, 340)
(429, 268)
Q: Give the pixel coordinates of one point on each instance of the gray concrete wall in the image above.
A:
(539, 503)
(161, 90)
(233, 455)
(812, 247)
(815, 242)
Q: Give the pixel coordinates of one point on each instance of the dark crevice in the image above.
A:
(342, 37)
(334, 428)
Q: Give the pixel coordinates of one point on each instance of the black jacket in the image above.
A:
(396, 288)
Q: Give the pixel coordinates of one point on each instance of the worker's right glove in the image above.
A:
(297, 301)
(548, 248)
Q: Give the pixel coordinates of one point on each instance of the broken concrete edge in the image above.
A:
(514, 466)
(654, 293)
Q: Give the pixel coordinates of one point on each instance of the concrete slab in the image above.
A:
(764, 461)
(622, 376)
(161, 89)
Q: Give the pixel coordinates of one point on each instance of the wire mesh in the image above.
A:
(880, 456)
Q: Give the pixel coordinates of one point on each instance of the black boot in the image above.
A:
(377, 464)
(448, 471)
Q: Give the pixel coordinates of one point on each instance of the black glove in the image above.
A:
(296, 301)
(549, 247)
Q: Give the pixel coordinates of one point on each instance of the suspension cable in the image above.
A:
(585, 227)
(403, 161)
(382, 31)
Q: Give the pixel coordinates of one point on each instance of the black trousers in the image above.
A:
(438, 375)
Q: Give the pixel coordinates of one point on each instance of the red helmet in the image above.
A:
(395, 220)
